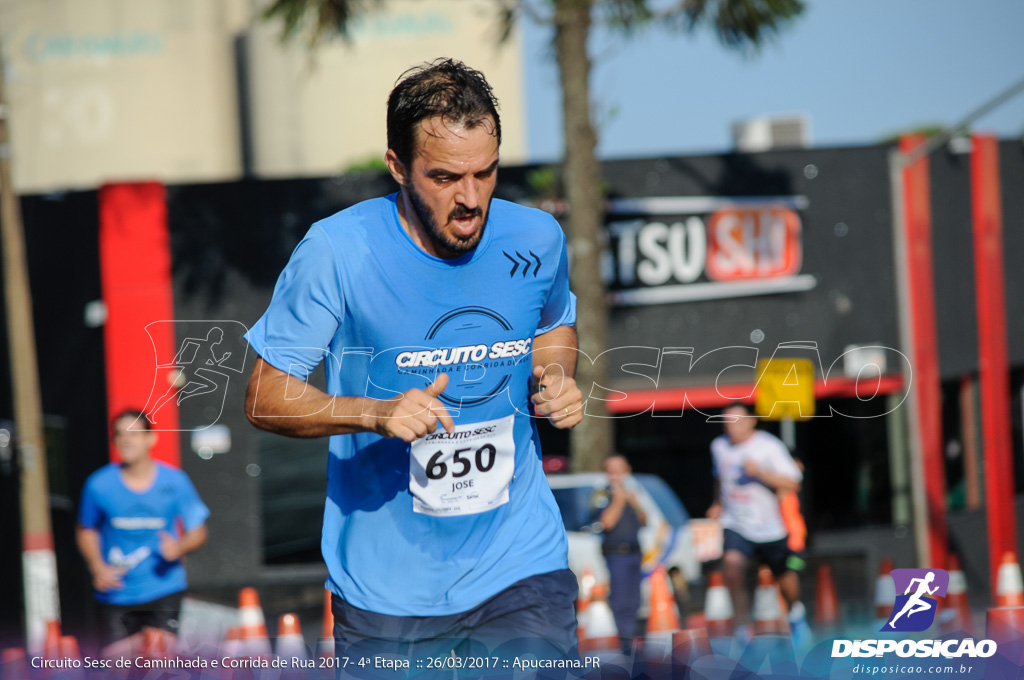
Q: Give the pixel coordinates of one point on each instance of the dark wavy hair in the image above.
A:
(446, 88)
(747, 408)
(134, 414)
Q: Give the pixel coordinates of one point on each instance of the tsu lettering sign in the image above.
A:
(678, 249)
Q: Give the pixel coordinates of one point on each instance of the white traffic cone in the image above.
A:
(325, 645)
(768, 615)
(601, 633)
(290, 643)
(955, 615)
(252, 625)
(1009, 585)
(885, 591)
(718, 612)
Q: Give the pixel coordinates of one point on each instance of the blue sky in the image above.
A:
(861, 70)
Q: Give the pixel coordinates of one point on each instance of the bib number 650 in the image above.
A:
(484, 458)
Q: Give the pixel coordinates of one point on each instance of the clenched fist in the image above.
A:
(558, 398)
(411, 416)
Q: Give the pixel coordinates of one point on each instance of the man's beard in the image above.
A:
(447, 244)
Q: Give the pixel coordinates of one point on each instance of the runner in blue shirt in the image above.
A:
(136, 521)
(445, 325)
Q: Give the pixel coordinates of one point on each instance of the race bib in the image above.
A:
(465, 472)
(742, 509)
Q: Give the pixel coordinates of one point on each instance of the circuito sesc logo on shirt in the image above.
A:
(464, 343)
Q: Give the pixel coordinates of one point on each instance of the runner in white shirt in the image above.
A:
(751, 467)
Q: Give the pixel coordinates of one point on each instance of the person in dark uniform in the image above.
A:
(621, 516)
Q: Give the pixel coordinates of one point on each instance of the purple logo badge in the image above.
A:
(914, 610)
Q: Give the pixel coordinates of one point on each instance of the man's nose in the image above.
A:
(468, 194)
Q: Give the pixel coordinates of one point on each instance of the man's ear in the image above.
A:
(396, 167)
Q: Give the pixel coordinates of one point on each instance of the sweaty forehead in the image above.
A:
(441, 134)
(125, 423)
(616, 464)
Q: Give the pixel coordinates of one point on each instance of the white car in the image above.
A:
(666, 539)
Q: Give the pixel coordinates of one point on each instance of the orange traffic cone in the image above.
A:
(718, 611)
(587, 582)
(236, 646)
(885, 591)
(252, 624)
(233, 643)
(955, 614)
(601, 633)
(325, 645)
(1009, 586)
(826, 601)
(663, 617)
(157, 643)
(51, 647)
(51, 643)
(14, 664)
(769, 618)
(290, 642)
(67, 649)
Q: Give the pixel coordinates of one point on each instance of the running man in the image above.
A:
(915, 604)
(439, 522)
(751, 467)
(136, 521)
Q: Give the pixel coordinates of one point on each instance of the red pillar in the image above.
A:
(135, 271)
(993, 360)
(927, 391)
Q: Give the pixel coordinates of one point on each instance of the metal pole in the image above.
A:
(787, 428)
(917, 489)
(940, 140)
(993, 351)
(898, 162)
(39, 562)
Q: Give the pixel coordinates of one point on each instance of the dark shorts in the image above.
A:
(118, 621)
(775, 554)
(534, 617)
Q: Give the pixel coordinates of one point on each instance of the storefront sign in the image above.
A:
(700, 248)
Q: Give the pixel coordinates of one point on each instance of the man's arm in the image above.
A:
(715, 509)
(775, 481)
(554, 368)
(621, 497)
(104, 576)
(172, 549)
(269, 406)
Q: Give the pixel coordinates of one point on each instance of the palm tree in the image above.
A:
(739, 24)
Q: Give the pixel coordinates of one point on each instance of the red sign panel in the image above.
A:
(753, 243)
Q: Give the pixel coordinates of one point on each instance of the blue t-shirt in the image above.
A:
(129, 525)
(386, 317)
